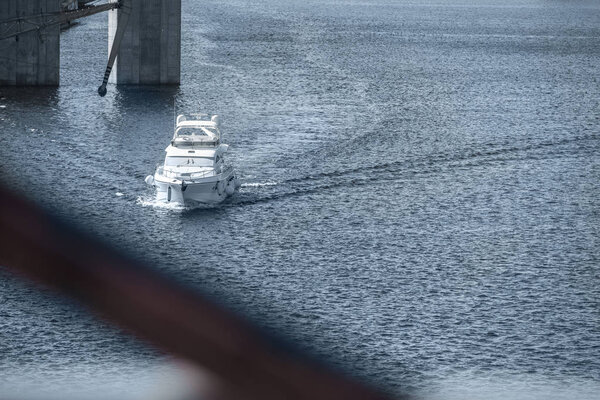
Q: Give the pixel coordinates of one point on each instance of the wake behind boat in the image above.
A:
(194, 171)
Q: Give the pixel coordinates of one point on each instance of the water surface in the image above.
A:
(420, 200)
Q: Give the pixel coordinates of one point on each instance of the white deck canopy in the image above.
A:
(197, 130)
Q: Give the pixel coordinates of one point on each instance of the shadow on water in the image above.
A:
(140, 101)
(29, 96)
(129, 108)
(144, 97)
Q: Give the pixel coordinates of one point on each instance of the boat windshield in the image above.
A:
(189, 162)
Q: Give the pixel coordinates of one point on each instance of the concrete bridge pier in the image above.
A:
(150, 50)
(31, 58)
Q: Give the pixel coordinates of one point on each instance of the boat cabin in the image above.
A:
(193, 162)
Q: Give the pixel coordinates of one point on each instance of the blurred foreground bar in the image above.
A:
(172, 317)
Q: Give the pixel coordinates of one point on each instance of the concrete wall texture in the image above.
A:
(150, 53)
(31, 58)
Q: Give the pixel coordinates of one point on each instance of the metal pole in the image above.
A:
(124, 11)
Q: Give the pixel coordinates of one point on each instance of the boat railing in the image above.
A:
(191, 141)
(169, 173)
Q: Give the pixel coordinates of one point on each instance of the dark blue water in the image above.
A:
(420, 202)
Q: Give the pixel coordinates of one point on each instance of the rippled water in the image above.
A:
(420, 199)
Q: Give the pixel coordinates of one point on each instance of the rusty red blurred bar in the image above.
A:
(160, 311)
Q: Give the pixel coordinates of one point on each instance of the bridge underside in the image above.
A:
(150, 51)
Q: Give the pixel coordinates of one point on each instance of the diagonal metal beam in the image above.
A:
(20, 25)
(125, 11)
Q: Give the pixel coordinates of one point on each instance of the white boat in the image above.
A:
(194, 171)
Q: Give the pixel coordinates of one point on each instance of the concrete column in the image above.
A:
(150, 52)
(32, 58)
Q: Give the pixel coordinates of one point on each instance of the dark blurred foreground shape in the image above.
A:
(241, 361)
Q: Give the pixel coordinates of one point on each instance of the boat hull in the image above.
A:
(204, 191)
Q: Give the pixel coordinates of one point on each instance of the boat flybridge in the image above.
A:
(194, 170)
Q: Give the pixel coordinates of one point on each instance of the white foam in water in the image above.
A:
(154, 203)
(259, 184)
(158, 204)
(118, 194)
